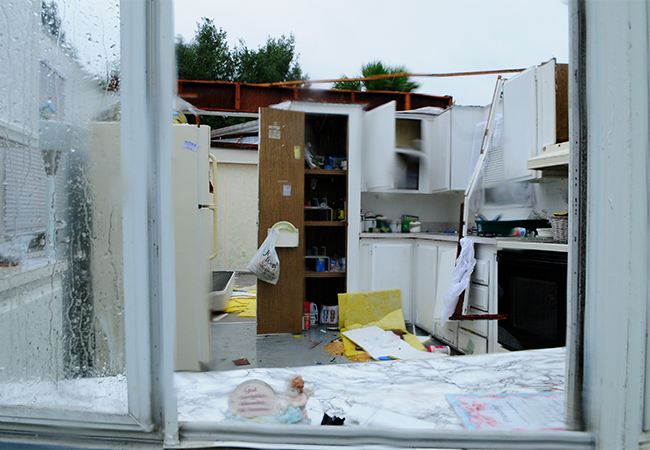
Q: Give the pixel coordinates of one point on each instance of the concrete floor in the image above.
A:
(235, 338)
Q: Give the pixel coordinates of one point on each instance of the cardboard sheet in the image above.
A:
(381, 344)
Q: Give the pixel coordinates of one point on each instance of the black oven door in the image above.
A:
(532, 293)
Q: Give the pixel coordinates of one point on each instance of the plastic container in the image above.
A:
(313, 314)
(439, 349)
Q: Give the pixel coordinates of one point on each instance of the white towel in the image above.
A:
(459, 278)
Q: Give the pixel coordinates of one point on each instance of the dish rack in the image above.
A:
(560, 227)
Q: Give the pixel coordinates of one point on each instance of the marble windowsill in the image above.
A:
(416, 389)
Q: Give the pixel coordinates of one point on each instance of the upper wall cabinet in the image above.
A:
(535, 114)
(453, 144)
(397, 150)
(378, 155)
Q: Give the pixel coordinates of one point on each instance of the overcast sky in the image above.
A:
(336, 37)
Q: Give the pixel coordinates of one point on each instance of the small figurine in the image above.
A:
(294, 401)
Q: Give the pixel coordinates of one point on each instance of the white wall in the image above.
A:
(237, 185)
(551, 195)
(430, 208)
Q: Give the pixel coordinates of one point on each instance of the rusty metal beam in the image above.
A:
(392, 75)
(240, 97)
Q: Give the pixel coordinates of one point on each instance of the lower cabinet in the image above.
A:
(471, 343)
(471, 337)
(425, 273)
(446, 263)
(387, 264)
(422, 269)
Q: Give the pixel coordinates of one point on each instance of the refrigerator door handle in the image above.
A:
(213, 205)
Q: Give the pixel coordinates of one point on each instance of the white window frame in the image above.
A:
(609, 341)
(149, 300)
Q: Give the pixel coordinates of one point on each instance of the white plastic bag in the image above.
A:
(265, 263)
(459, 278)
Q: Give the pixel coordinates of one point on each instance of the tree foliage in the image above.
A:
(276, 61)
(397, 84)
(208, 57)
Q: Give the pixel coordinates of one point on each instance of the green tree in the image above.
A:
(398, 84)
(206, 56)
(347, 85)
(275, 61)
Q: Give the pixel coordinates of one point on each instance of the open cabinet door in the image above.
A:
(281, 191)
(379, 158)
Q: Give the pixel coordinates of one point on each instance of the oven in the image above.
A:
(532, 293)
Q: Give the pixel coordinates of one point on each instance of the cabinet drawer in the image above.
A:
(477, 326)
(478, 296)
(470, 343)
(447, 332)
(481, 272)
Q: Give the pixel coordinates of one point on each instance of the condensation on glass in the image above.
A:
(61, 289)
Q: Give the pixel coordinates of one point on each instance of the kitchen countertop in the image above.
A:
(414, 388)
(504, 242)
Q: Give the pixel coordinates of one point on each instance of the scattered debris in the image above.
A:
(327, 420)
(335, 348)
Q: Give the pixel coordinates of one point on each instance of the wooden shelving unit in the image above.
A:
(286, 186)
(328, 136)
(325, 223)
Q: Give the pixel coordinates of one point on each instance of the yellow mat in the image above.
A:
(376, 308)
(246, 306)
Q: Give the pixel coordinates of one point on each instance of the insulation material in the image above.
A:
(382, 309)
(244, 303)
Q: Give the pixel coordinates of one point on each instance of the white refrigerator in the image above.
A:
(194, 209)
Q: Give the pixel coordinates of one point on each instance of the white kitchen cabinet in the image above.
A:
(397, 150)
(480, 336)
(441, 155)
(471, 344)
(391, 268)
(519, 124)
(535, 114)
(446, 264)
(453, 141)
(378, 153)
(422, 269)
(425, 273)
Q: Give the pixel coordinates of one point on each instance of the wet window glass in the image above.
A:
(61, 283)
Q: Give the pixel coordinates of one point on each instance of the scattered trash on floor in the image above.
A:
(384, 345)
(244, 302)
(327, 420)
(335, 348)
(380, 309)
